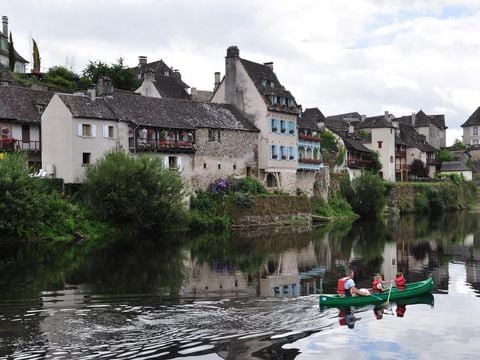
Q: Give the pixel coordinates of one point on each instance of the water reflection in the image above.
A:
(246, 294)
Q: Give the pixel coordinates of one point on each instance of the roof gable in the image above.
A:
(473, 120)
(310, 119)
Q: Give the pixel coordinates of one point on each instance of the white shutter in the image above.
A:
(94, 130)
(179, 163)
(105, 131)
(166, 162)
(80, 130)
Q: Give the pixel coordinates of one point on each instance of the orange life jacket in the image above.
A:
(374, 286)
(400, 282)
(341, 286)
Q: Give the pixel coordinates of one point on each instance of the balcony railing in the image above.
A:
(433, 162)
(10, 144)
(309, 161)
(401, 154)
(308, 137)
(402, 167)
(163, 145)
(359, 163)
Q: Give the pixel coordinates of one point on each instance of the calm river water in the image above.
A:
(251, 295)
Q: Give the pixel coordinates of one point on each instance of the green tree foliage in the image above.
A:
(249, 185)
(329, 148)
(418, 169)
(136, 192)
(369, 195)
(36, 57)
(62, 77)
(11, 54)
(458, 145)
(443, 155)
(122, 77)
(376, 164)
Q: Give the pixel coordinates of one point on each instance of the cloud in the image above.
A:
(365, 57)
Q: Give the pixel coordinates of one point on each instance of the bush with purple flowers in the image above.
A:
(220, 187)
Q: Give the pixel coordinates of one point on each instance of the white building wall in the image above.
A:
(387, 151)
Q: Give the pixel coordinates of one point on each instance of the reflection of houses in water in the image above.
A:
(280, 276)
(216, 277)
(389, 266)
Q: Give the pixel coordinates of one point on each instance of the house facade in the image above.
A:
(20, 62)
(310, 124)
(202, 141)
(431, 126)
(256, 92)
(471, 129)
(20, 114)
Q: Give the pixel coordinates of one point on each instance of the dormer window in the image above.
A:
(40, 108)
(290, 102)
(274, 99)
(264, 82)
(282, 100)
(166, 73)
(272, 84)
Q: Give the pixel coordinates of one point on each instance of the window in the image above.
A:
(234, 166)
(40, 108)
(86, 158)
(274, 99)
(264, 82)
(291, 127)
(273, 125)
(86, 130)
(475, 130)
(290, 102)
(283, 152)
(283, 129)
(273, 152)
(211, 135)
(391, 159)
(272, 84)
(172, 162)
(219, 166)
(108, 131)
(25, 133)
(282, 100)
(379, 144)
(248, 171)
(204, 165)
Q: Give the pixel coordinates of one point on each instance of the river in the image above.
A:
(253, 294)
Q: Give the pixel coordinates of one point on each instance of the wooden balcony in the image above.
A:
(10, 144)
(400, 154)
(359, 163)
(309, 161)
(306, 137)
(163, 145)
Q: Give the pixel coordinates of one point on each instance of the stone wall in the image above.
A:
(314, 183)
(232, 154)
(271, 210)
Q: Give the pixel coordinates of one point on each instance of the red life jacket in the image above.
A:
(400, 282)
(341, 286)
(374, 286)
(401, 310)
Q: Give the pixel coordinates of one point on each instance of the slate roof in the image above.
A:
(203, 96)
(454, 166)
(424, 120)
(5, 74)
(353, 144)
(169, 86)
(82, 107)
(338, 123)
(310, 119)
(159, 112)
(411, 138)
(20, 103)
(473, 120)
(374, 122)
(258, 72)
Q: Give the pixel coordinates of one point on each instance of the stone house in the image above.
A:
(457, 168)
(20, 114)
(20, 62)
(431, 126)
(471, 129)
(164, 81)
(256, 92)
(310, 124)
(193, 138)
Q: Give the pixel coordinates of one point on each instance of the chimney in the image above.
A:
(217, 80)
(104, 87)
(413, 118)
(363, 117)
(91, 92)
(5, 25)
(233, 95)
(142, 60)
(177, 74)
(269, 64)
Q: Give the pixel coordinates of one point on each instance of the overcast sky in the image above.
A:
(367, 56)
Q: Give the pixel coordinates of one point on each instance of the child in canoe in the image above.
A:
(378, 284)
(400, 281)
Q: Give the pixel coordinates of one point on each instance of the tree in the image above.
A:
(376, 166)
(122, 78)
(62, 77)
(11, 54)
(418, 169)
(36, 58)
(458, 145)
(443, 156)
(329, 147)
(137, 192)
(369, 195)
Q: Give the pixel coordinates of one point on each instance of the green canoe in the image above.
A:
(412, 290)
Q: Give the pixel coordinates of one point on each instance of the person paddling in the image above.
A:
(400, 281)
(350, 288)
(378, 283)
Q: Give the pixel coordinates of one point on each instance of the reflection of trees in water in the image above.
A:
(421, 251)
